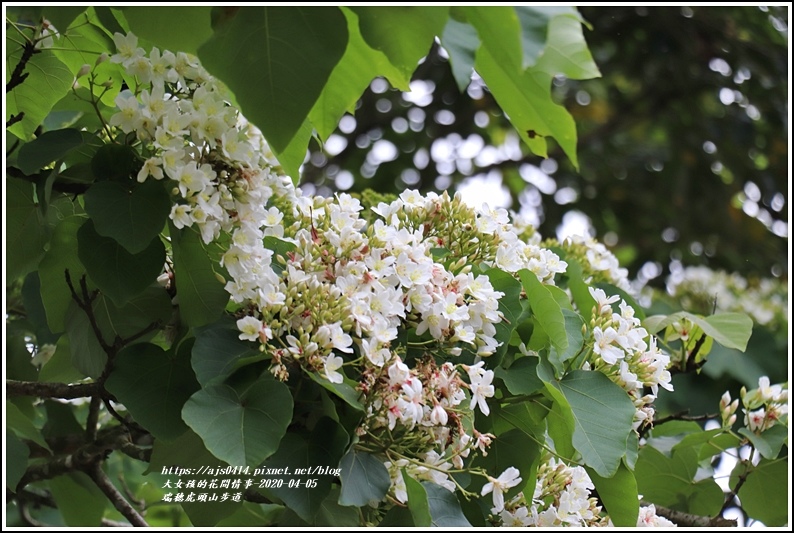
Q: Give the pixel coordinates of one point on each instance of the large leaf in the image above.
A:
(364, 479)
(48, 80)
(546, 310)
(187, 451)
(291, 158)
(277, 60)
(764, 495)
(132, 218)
(526, 99)
(26, 232)
(22, 426)
(500, 33)
(17, 453)
(241, 427)
(202, 297)
(345, 390)
(444, 507)
(218, 351)
(157, 25)
(602, 414)
(509, 306)
(732, 330)
(511, 449)
(403, 34)
(46, 148)
(119, 274)
(535, 28)
(152, 306)
(358, 66)
(522, 376)
(619, 495)
(417, 501)
(154, 385)
(79, 500)
(566, 51)
(461, 42)
(769, 442)
(309, 452)
(573, 332)
(88, 356)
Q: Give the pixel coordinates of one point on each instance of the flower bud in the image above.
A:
(84, 70)
(102, 58)
(108, 83)
(725, 400)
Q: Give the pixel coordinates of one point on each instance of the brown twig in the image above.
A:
(102, 481)
(681, 415)
(18, 75)
(13, 119)
(93, 417)
(84, 301)
(692, 520)
(50, 390)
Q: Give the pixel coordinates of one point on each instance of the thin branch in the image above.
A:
(84, 302)
(17, 77)
(99, 477)
(93, 417)
(731, 496)
(50, 390)
(681, 415)
(13, 119)
(692, 520)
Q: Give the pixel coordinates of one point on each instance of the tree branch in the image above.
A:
(99, 477)
(681, 415)
(692, 520)
(93, 417)
(50, 390)
(17, 77)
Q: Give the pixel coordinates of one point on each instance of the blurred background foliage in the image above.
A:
(683, 143)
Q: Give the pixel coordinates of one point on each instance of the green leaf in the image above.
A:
(251, 515)
(444, 507)
(513, 448)
(769, 442)
(705, 498)
(731, 330)
(403, 34)
(202, 297)
(528, 416)
(22, 426)
(153, 305)
(602, 414)
(119, 274)
(573, 332)
(560, 422)
(364, 479)
(59, 367)
(277, 60)
(61, 17)
(619, 495)
(546, 310)
(708, 443)
(186, 451)
(526, 99)
(522, 376)
(115, 162)
(566, 51)
(330, 514)
(307, 452)
(154, 385)
(17, 453)
(26, 232)
(291, 158)
(208, 514)
(79, 500)
(350, 77)
(132, 218)
(417, 502)
(218, 350)
(499, 32)
(241, 427)
(88, 356)
(764, 495)
(396, 517)
(581, 295)
(461, 43)
(48, 147)
(344, 390)
(509, 306)
(535, 28)
(157, 25)
(47, 82)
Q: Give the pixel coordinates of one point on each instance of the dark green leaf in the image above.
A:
(115, 162)
(364, 479)
(350, 77)
(509, 306)
(59, 367)
(26, 232)
(764, 495)
(731, 330)
(528, 416)
(514, 448)
(322, 448)
(705, 498)
(208, 514)
(241, 427)
(461, 43)
(251, 515)
(88, 356)
(157, 25)
(344, 390)
(417, 502)
(119, 274)
(522, 376)
(46, 148)
(769, 442)
(499, 32)
(403, 34)
(22, 426)
(61, 17)
(277, 60)
(331, 514)
(186, 451)
(17, 453)
(573, 331)
(217, 351)
(153, 305)
(444, 507)
(619, 495)
(535, 28)
(667, 481)
(566, 51)
(581, 295)
(154, 385)
(602, 414)
(132, 218)
(396, 517)
(79, 500)
(202, 297)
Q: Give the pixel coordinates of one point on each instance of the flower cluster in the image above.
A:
(701, 290)
(628, 354)
(763, 407)
(562, 498)
(597, 262)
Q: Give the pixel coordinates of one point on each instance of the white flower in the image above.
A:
(332, 364)
(506, 480)
(603, 303)
(767, 392)
(250, 328)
